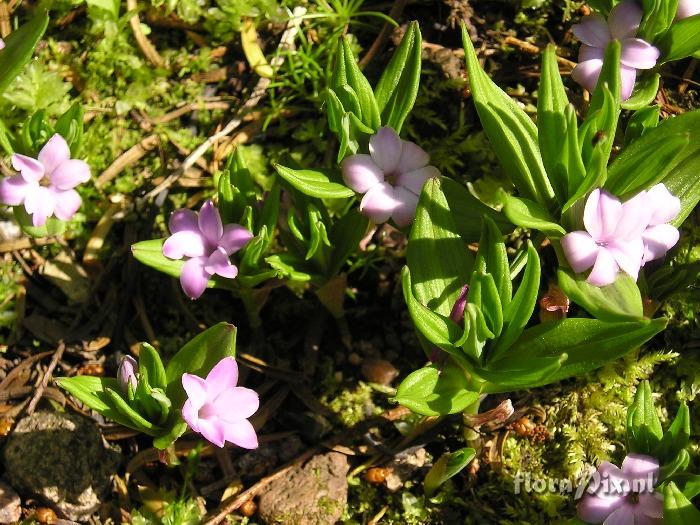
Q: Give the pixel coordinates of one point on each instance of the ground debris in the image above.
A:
(10, 511)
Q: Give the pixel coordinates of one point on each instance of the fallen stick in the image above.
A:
(45, 380)
(286, 42)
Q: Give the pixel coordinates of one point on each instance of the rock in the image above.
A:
(61, 458)
(10, 510)
(313, 494)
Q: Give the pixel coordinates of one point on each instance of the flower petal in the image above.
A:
(580, 250)
(623, 515)
(218, 264)
(658, 240)
(628, 76)
(234, 404)
(385, 149)
(652, 506)
(638, 53)
(595, 509)
(586, 53)
(183, 220)
(31, 169)
(628, 255)
(624, 20)
(592, 31)
(360, 173)
(405, 209)
(223, 376)
(687, 8)
(54, 153)
(636, 213)
(210, 223)
(69, 174)
(66, 203)
(184, 244)
(14, 189)
(379, 203)
(412, 157)
(197, 390)
(39, 203)
(213, 430)
(601, 215)
(194, 278)
(665, 206)
(604, 270)
(586, 73)
(190, 415)
(241, 433)
(639, 466)
(234, 238)
(415, 180)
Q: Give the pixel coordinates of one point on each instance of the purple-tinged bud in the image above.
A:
(457, 313)
(126, 375)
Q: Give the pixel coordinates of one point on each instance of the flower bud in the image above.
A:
(126, 375)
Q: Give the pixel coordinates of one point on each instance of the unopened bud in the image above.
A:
(126, 375)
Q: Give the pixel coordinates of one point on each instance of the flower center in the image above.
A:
(391, 177)
(45, 181)
(602, 244)
(633, 498)
(208, 410)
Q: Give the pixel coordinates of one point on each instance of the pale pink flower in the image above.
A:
(687, 8)
(218, 409)
(612, 240)
(2, 44)
(45, 185)
(624, 496)
(595, 33)
(391, 177)
(206, 243)
(659, 237)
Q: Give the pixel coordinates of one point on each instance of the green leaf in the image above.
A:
(588, 343)
(53, 226)
(528, 214)
(397, 88)
(510, 131)
(644, 93)
(87, 390)
(492, 258)
(507, 375)
(151, 364)
(483, 294)
(553, 124)
(314, 183)
(684, 183)
(173, 430)
(655, 156)
(658, 16)
(289, 267)
(468, 211)
(642, 121)
(357, 81)
(517, 314)
(135, 420)
(436, 391)
(345, 236)
(19, 48)
(644, 431)
(438, 258)
(150, 253)
(70, 127)
(448, 466)
(677, 437)
(681, 40)
(678, 510)
(198, 357)
(620, 301)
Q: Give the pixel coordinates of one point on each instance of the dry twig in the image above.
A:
(143, 42)
(45, 380)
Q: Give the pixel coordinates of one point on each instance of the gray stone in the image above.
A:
(61, 458)
(10, 509)
(313, 494)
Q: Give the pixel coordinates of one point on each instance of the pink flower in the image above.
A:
(207, 243)
(391, 177)
(595, 33)
(622, 236)
(218, 409)
(624, 496)
(659, 237)
(612, 240)
(2, 44)
(126, 374)
(45, 185)
(687, 8)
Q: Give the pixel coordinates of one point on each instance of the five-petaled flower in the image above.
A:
(218, 409)
(46, 185)
(207, 243)
(391, 177)
(622, 236)
(595, 33)
(624, 496)
(687, 8)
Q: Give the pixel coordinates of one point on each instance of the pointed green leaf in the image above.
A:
(644, 431)
(448, 466)
(528, 214)
(678, 510)
(314, 183)
(151, 364)
(681, 40)
(19, 48)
